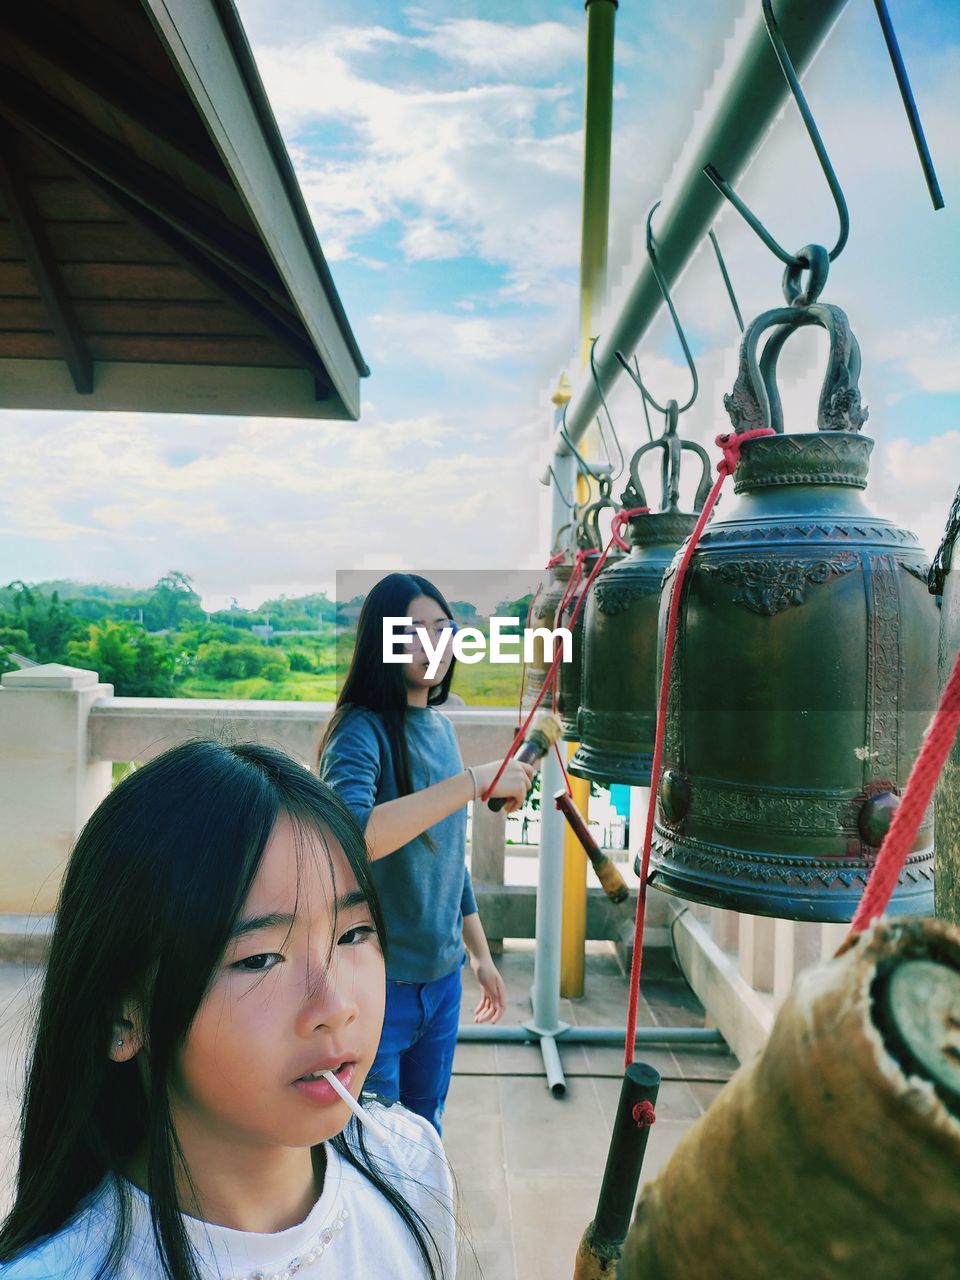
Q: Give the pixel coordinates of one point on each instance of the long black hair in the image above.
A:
(380, 686)
(152, 892)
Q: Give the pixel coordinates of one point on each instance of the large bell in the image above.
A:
(571, 673)
(945, 584)
(805, 668)
(618, 695)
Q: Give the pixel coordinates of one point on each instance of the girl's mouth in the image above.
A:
(318, 1089)
(318, 1075)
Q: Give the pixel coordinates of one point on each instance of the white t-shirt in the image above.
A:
(351, 1233)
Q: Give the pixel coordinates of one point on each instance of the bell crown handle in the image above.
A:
(755, 398)
(588, 530)
(670, 466)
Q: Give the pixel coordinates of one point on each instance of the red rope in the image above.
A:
(730, 444)
(523, 669)
(620, 519)
(644, 1114)
(550, 678)
(898, 841)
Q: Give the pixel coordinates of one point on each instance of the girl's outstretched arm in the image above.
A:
(396, 822)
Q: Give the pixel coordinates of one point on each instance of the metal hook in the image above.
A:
(582, 464)
(613, 430)
(909, 103)
(643, 398)
(725, 189)
(665, 290)
(670, 466)
(726, 279)
(567, 502)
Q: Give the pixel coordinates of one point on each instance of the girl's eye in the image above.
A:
(258, 963)
(359, 933)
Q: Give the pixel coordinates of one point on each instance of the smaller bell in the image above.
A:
(570, 675)
(543, 612)
(618, 704)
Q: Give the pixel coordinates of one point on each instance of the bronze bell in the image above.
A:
(945, 585)
(570, 675)
(543, 614)
(618, 698)
(805, 667)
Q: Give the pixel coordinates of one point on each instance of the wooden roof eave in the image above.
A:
(207, 45)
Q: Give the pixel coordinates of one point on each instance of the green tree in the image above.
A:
(17, 640)
(172, 602)
(276, 668)
(299, 661)
(49, 623)
(220, 661)
(136, 664)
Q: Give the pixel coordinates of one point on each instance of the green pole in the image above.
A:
(598, 121)
(598, 127)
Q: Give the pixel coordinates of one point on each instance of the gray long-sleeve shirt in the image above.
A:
(425, 892)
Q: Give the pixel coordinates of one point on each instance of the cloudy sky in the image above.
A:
(440, 148)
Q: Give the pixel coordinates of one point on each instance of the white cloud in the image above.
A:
(459, 341)
(484, 169)
(235, 502)
(928, 351)
(504, 49)
(914, 484)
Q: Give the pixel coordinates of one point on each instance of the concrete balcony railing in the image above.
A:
(61, 730)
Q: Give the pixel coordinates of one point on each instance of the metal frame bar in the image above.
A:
(755, 92)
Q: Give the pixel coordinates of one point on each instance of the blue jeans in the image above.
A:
(415, 1059)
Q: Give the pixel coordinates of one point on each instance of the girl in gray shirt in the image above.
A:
(393, 758)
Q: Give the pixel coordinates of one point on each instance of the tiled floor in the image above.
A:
(528, 1165)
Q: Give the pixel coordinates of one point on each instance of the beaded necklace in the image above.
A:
(303, 1260)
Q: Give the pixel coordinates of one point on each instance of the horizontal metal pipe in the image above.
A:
(592, 1035)
(755, 92)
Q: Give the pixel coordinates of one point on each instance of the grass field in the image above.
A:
(483, 684)
(296, 686)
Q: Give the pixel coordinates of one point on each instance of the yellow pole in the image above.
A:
(598, 121)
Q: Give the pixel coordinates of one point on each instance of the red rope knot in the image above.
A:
(578, 562)
(644, 1115)
(621, 519)
(731, 444)
(557, 559)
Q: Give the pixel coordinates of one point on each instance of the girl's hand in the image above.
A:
(494, 998)
(513, 785)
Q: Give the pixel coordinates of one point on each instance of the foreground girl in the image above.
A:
(218, 945)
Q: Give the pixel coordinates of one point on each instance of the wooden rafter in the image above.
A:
(34, 111)
(43, 266)
(261, 307)
(58, 41)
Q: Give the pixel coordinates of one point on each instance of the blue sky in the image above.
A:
(439, 146)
